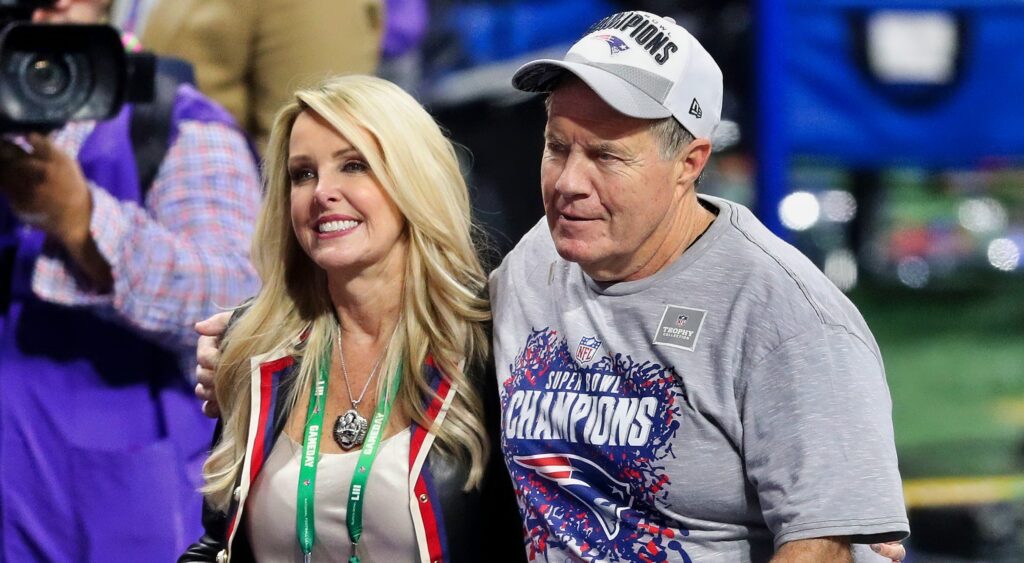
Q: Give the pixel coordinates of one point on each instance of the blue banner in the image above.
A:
(835, 105)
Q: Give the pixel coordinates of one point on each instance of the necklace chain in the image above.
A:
(344, 371)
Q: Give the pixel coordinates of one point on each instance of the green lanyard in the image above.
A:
(356, 494)
(311, 449)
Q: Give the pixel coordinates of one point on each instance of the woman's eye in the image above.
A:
(300, 175)
(355, 166)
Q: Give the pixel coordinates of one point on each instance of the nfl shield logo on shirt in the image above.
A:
(587, 348)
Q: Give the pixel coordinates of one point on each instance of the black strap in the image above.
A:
(151, 129)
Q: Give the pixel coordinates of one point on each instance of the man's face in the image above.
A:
(73, 11)
(611, 201)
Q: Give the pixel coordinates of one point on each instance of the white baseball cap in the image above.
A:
(644, 66)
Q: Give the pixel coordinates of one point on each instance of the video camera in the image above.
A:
(52, 74)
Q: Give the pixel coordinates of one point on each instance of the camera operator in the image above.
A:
(101, 439)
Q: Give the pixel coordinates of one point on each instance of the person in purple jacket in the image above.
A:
(101, 440)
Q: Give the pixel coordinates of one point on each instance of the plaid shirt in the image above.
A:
(181, 258)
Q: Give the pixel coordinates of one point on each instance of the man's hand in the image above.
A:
(208, 356)
(893, 550)
(816, 550)
(833, 550)
(46, 189)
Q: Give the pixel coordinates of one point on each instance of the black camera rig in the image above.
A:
(52, 74)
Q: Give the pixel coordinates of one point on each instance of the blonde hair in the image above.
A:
(443, 304)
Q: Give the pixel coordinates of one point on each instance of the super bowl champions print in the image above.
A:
(586, 435)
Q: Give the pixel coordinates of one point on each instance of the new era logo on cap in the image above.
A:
(644, 66)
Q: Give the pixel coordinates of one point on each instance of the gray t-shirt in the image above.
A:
(728, 404)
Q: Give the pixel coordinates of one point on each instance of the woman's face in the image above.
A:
(341, 216)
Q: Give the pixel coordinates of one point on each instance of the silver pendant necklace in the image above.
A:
(350, 427)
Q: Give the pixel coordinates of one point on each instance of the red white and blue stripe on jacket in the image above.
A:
(268, 371)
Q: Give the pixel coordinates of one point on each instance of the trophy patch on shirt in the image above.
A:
(680, 327)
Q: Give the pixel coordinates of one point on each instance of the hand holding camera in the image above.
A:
(50, 75)
(45, 188)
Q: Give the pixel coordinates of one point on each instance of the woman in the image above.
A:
(350, 427)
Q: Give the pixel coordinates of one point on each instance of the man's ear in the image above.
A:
(692, 160)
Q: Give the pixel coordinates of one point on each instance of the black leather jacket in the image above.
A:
(479, 525)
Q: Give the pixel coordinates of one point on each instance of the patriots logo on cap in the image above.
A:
(614, 43)
(587, 482)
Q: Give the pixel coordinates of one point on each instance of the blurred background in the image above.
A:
(883, 138)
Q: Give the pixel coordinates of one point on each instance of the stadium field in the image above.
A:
(955, 365)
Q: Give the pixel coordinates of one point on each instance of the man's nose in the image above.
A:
(573, 180)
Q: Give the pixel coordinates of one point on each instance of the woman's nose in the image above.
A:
(326, 192)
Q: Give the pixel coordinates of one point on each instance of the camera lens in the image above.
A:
(47, 76)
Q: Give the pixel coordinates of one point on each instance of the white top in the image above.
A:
(388, 533)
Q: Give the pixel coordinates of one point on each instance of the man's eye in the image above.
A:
(355, 166)
(607, 156)
(555, 148)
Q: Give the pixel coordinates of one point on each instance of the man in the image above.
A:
(101, 442)
(677, 384)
